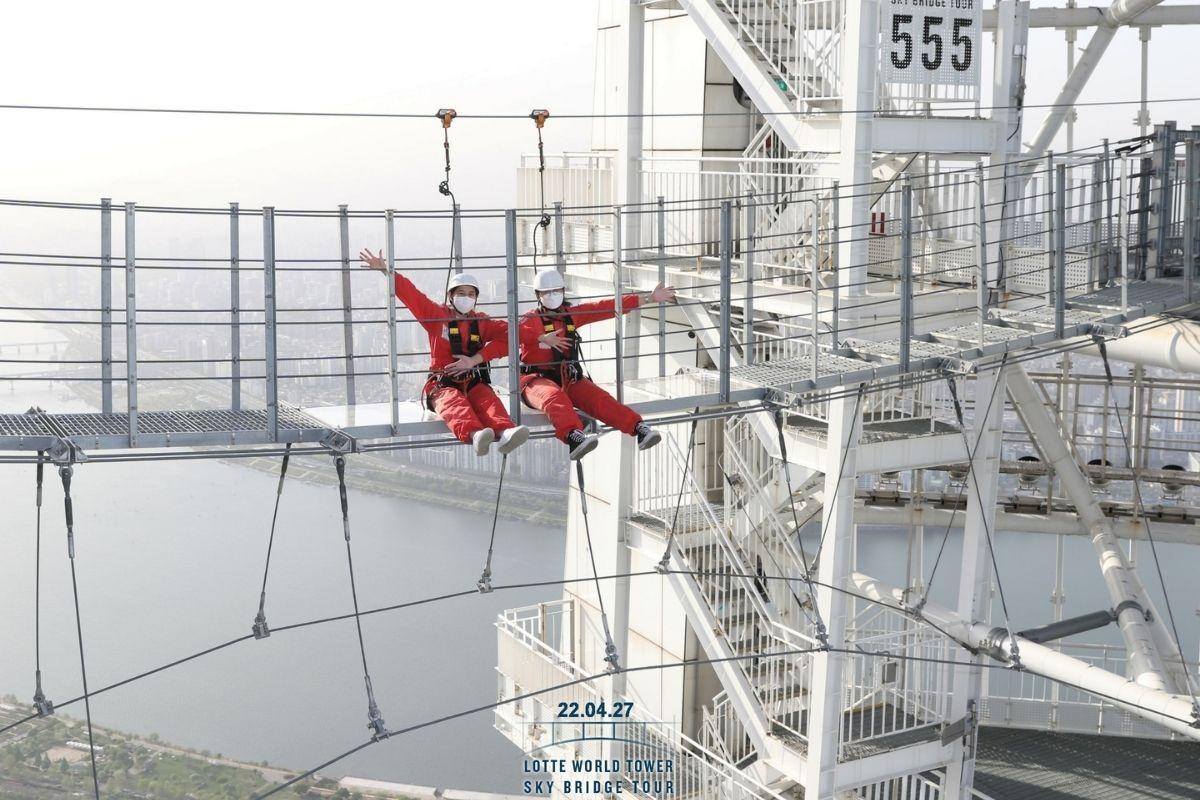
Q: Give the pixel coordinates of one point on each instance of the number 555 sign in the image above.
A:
(931, 41)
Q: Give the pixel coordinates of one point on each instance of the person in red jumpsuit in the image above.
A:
(552, 376)
(461, 343)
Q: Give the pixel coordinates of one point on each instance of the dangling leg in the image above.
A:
(455, 410)
(491, 412)
(593, 400)
(547, 396)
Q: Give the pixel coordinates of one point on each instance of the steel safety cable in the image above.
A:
(374, 718)
(1137, 493)
(260, 628)
(65, 473)
(806, 570)
(962, 488)
(610, 650)
(485, 580)
(665, 561)
(447, 115)
(987, 528)
(44, 707)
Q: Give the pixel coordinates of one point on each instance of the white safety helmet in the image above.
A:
(548, 280)
(462, 279)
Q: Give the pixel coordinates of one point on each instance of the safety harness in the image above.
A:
(565, 367)
(474, 343)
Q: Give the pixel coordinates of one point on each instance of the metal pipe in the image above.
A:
(347, 304)
(726, 233)
(1062, 628)
(270, 365)
(1060, 249)
(106, 389)
(393, 389)
(560, 259)
(906, 271)
(835, 241)
(1169, 710)
(618, 305)
(981, 296)
(1123, 233)
(1048, 220)
(235, 309)
(514, 359)
(660, 216)
(1191, 175)
(131, 324)
(748, 276)
(1124, 588)
(815, 284)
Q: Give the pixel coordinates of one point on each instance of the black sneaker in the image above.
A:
(581, 444)
(647, 437)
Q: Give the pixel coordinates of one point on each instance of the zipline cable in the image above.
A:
(44, 707)
(485, 580)
(374, 718)
(260, 628)
(610, 650)
(65, 472)
(539, 117)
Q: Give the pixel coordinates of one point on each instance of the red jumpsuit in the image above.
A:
(559, 399)
(464, 412)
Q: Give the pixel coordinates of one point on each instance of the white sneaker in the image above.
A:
(483, 441)
(512, 438)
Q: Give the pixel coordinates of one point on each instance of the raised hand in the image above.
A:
(662, 294)
(372, 261)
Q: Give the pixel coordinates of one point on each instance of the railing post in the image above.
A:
(393, 391)
(106, 389)
(1060, 249)
(726, 256)
(347, 304)
(1123, 233)
(906, 271)
(514, 358)
(834, 245)
(269, 363)
(235, 310)
(815, 286)
(1108, 213)
(660, 215)
(618, 304)
(1190, 176)
(560, 259)
(1049, 219)
(981, 296)
(748, 276)
(131, 324)
(1097, 233)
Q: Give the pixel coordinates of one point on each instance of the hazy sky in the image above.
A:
(399, 56)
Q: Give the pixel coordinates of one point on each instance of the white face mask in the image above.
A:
(463, 303)
(552, 300)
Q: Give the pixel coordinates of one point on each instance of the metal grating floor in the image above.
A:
(778, 373)
(151, 422)
(1141, 293)
(1018, 764)
(1044, 316)
(890, 348)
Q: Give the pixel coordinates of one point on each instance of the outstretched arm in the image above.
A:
(421, 306)
(600, 310)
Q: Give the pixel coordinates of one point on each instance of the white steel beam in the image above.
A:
(1091, 16)
(833, 571)
(859, 59)
(1172, 711)
(1130, 601)
(1121, 12)
(975, 575)
(628, 171)
(1172, 345)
